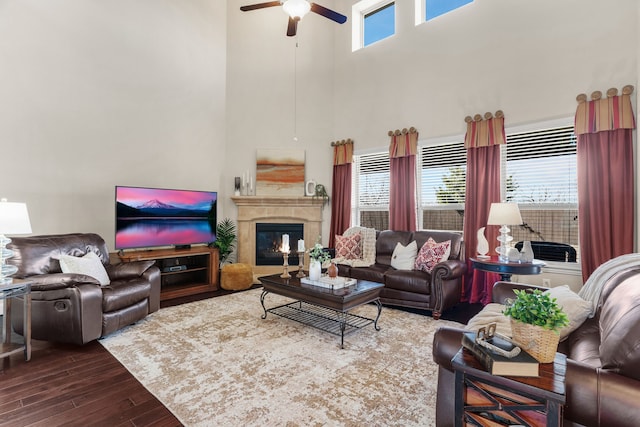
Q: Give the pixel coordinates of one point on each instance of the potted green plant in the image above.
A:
(321, 192)
(317, 257)
(225, 238)
(536, 320)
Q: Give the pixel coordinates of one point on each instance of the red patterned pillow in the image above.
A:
(431, 254)
(349, 247)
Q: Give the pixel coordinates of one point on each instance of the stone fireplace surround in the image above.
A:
(275, 209)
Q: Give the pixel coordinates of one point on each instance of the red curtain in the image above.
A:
(605, 178)
(402, 182)
(482, 140)
(341, 189)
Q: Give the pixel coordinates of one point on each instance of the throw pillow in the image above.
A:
(348, 247)
(431, 254)
(576, 308)
(404, 257)
(89, 264)
(491, 313)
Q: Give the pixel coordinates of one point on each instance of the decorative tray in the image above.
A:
(328, 282)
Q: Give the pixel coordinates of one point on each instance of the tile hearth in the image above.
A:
(277, 210)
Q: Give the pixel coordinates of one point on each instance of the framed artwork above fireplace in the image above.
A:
(280, 172)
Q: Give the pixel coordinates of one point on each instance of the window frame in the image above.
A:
(358, 13)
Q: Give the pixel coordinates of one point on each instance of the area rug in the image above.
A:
(216, 362)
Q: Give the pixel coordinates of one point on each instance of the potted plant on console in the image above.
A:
(536, 320)
(317, 257)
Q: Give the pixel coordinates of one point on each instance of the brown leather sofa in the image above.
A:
(75, 308)
(603, 358)
(436, 291)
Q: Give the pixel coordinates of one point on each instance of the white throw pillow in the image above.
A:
(404, 257)
(576, 308)
(89, 265)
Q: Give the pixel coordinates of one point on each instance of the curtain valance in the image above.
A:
(484, 132)
(611, 113)
(403, 142)
(342, 152)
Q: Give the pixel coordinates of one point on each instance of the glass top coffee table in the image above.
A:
(323, 308)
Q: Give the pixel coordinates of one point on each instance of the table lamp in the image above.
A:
(504, 214)
(14, 219)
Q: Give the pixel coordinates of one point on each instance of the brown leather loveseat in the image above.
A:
(436, 291)
(75, 308)
(603, 358)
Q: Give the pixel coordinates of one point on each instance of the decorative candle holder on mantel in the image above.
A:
(285, 274)
(300, 264)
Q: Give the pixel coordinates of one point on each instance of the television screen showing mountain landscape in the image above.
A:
(150, 217)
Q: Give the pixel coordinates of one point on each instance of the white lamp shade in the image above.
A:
(504, 214)
(14, 218)
(296, 8)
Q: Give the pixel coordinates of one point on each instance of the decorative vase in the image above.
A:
(539, 342)
(526, 255)
(332, 270)
(483, 244)
(315, 269)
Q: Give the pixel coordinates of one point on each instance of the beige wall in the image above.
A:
(99, 93)
(180, 94)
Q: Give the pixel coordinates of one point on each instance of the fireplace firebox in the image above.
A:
(269, 242)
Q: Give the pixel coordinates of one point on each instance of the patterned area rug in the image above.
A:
(216, 362)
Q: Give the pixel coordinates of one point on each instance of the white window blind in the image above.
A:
(373, 181)
(541, 167)
(443, 171)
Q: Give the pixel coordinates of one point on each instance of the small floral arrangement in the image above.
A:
(318, 254)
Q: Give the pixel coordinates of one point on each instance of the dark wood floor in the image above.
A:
(67, 385)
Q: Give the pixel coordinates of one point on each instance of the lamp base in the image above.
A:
(6, 270)
(504, 238)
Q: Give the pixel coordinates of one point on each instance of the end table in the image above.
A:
(7, 293)
(485, 399)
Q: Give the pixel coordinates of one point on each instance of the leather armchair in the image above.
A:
(75, 308)
(603, 358)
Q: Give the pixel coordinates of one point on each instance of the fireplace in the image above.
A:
(269, 242)
(253, 210)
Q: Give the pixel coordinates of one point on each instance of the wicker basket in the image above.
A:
(539, 342)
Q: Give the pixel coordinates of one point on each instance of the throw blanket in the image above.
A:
(368, 239)
(592, 288)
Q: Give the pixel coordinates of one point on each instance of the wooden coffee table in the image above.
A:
(323, 308)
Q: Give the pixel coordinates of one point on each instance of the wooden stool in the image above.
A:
(236, 277)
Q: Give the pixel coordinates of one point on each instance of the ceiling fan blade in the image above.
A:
(259, 6)
(328, 13)
(292, 27)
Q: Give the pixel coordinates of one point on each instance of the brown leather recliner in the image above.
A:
(603, 358)
(75, 308)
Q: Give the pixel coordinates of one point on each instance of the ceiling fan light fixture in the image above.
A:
(296, 9)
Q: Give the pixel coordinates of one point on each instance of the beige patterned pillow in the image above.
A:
(89, 265)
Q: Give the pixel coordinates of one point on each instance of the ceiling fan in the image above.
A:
(296, 9)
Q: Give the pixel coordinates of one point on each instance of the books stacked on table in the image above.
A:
(330, 282)
(521, 365)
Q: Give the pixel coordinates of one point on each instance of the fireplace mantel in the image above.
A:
(276, 201)
(275, 209)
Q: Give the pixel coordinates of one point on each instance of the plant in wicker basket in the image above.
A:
(536, 320)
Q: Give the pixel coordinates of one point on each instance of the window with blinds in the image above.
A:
(370, 192)
(541, 176)
(442, 186)
(541, 167)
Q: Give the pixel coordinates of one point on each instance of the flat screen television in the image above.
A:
(153, 217)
